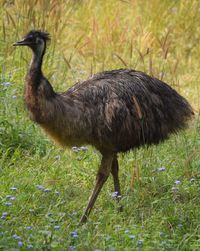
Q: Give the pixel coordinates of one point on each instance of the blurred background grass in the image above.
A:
(158, 37)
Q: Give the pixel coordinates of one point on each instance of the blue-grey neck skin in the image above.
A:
(38, 53)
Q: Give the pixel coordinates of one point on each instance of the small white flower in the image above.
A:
(47, 190)
(139, 242)
(13, 188)
(84, 148)
(75, 149)
(114, 194)
(9, 204)
(174, 189)
(40, 187)
(6, 84)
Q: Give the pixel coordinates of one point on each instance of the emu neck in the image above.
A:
(36, 83)
(38, 91)
(36, 63)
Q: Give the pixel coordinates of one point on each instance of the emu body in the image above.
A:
(115, 111)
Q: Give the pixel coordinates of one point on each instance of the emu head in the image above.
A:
(36, 40)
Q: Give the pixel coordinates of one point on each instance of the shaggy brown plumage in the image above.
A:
(115, 111)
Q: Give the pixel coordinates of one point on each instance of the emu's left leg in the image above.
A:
(102, 175)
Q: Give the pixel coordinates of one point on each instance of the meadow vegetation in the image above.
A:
(44, 189)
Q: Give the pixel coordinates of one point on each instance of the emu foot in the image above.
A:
(117, 197)
(83, 219)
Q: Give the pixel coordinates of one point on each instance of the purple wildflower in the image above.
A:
(162, 233)
(160, 169)
(29, 246)
(20, 243)
(16, 237)
(4, 215)
(28, 228)
(74, 234)
(72, 248)
(164, 243)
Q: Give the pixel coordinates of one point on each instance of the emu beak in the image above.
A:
(22, 42)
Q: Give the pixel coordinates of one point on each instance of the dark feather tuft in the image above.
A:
(38, 33)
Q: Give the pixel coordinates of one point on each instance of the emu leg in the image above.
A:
(114, 171)
(102, 175)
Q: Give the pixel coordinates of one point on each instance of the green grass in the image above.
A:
(158, 37)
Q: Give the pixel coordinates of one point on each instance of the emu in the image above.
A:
(114, 111)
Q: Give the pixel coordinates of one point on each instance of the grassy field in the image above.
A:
(44, 189)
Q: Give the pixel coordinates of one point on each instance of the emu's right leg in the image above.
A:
(102, 175)
(115, 174)
(114, 171)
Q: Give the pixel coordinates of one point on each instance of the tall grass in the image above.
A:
(160, 184)
(158, 37)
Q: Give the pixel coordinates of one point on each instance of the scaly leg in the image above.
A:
(114, 171)
(102, 175)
